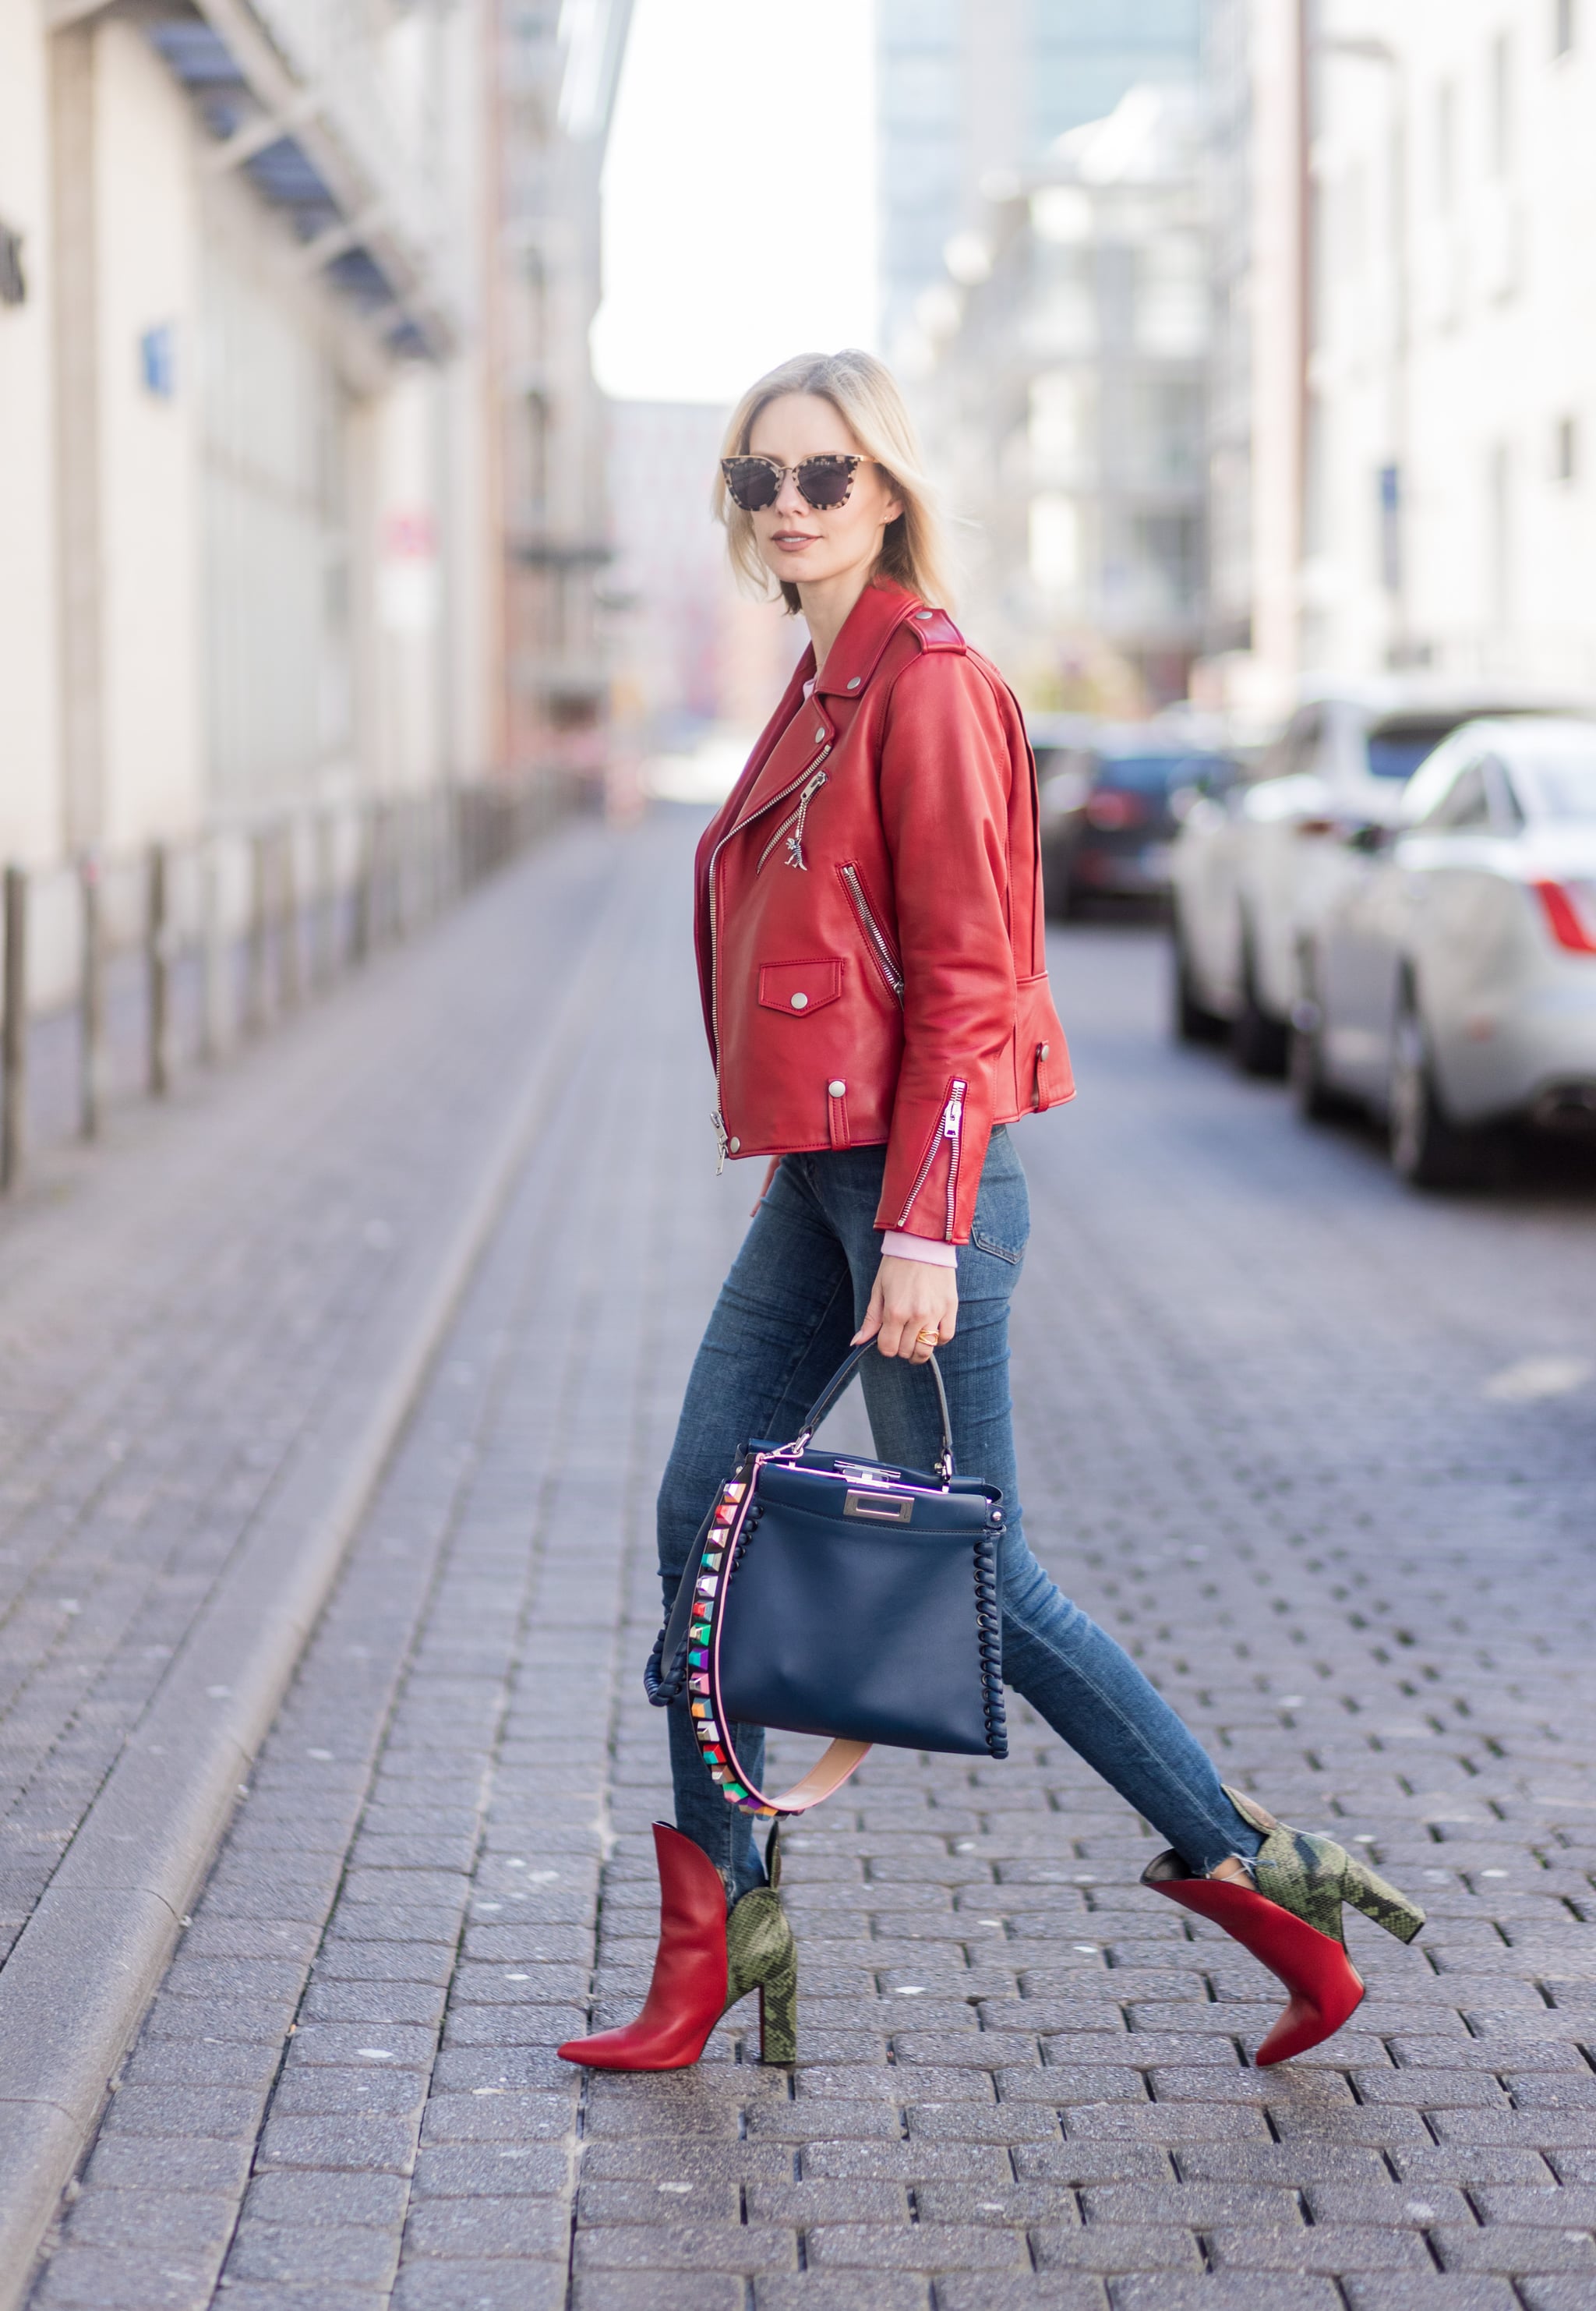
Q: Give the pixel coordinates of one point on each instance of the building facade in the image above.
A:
(1451, 517)
(1065, 408)
(971, 92)
(1404, 384)
(256, 549)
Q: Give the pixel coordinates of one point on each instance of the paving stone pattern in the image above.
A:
(1320, 1450)
(171, 1311)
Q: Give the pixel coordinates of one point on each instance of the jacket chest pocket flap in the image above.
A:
(799, 987)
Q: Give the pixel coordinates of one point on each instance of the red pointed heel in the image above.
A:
(687, 1995)
(1322, 1986)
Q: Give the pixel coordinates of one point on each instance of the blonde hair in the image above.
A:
(866, 394)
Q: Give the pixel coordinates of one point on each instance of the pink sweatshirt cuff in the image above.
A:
(896, 1246)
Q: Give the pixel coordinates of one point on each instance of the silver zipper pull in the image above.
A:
(953, 1118)
(794, 841)
(721, 1141)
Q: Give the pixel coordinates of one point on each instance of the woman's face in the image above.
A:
(802, 546)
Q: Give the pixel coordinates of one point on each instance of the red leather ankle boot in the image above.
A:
(1318, 1975)
(687, 1996)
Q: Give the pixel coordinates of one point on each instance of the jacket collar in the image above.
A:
(871, 624)
(798, 729)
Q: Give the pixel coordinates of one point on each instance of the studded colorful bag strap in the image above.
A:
(713, 1736)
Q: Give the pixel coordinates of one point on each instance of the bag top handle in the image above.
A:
(945, 1467)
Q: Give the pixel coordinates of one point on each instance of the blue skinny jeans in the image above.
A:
(797, 1291)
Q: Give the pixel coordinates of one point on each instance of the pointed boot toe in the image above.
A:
(1322, 1988)
(705, 1962)
(687, 1993)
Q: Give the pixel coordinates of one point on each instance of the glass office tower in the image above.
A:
(972, 91)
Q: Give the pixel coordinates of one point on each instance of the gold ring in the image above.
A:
(932, 1336)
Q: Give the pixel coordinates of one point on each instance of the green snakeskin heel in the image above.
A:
(1311, 1877)
(760, 1955)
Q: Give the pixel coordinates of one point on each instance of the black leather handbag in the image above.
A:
(841, 1597)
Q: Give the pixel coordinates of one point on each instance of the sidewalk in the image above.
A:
(1267, 1437)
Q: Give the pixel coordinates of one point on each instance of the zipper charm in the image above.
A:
(792, 825)
(952, 1124)
(794, 841)
(721, 1141)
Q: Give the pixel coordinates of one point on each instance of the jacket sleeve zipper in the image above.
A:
(952, 1131)
(875, 938)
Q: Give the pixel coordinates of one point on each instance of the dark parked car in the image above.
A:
(1111, 807)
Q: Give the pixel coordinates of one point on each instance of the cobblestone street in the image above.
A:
(1318, 1449)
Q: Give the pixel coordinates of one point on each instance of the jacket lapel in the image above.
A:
(811, 724)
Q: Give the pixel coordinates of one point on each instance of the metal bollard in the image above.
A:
(157, 971)
(91, 1050)
(324, 912)
(214, 1007)
(360, 898)
(13, 1029)
(290, 974)
(255, 998)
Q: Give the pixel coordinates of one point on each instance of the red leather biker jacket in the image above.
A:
(869, 920)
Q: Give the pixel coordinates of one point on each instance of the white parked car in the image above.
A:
(1240, 868)
(1449, 982)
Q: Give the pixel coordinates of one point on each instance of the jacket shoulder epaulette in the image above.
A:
(934, 629)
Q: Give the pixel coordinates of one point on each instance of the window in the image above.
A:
(1446, 143)
(1298, 748)
(1509, 809)
(1563, 27)
(1565, 449)
(1464, 808)
(1501, 104)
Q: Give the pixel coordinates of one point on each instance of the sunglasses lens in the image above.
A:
(825, 481)
(751, 483)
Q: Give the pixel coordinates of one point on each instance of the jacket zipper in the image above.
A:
(794, 821)
(952, 1129)
(880, 945)
(714, 963)
(952, 1124)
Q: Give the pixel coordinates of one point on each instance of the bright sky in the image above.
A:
(739, 194)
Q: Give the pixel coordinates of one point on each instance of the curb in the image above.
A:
(75, 1988)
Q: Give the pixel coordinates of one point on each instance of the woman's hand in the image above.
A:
(914, 1307)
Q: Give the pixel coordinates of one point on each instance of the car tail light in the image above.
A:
(1110, 809)
(1571, 911)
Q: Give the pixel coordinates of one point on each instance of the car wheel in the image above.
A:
(1257, 1042)
(1427, 1148)
(1192, 1021)
(1316, 1099)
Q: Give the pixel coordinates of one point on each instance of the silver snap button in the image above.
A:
(854, 680)
(836, 1090)
(925, 614)
(1044, 1051)
(819, 735)
(734, 1145)
(800, 1002)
